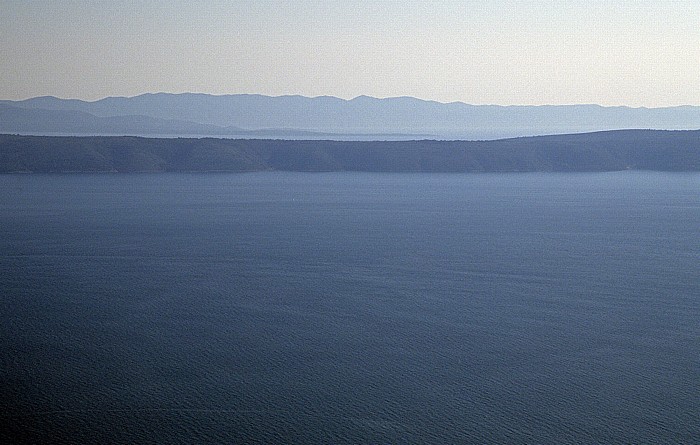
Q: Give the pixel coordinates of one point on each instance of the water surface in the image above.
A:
(350, 308)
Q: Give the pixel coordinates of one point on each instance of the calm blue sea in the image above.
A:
(350, 308)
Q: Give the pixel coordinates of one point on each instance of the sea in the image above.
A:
(350, 308)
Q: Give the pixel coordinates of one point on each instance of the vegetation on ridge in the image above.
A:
(602, 151)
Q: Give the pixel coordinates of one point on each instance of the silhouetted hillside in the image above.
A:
(364, 115)
(38, 120)
(602, 151)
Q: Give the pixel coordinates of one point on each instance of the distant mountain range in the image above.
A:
(298, 117)
(589, 152)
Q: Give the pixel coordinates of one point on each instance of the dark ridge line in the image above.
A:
(612, 150)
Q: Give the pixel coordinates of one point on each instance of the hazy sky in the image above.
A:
(637, 53)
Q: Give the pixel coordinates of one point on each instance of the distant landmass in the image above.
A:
(40, 121)
(299, 117)
(589, 152)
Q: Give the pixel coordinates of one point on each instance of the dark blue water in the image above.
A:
(350, 308)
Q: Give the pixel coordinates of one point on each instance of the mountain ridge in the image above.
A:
(368, 115)
(361, 96)
(661, 150)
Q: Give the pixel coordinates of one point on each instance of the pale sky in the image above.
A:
(635, 53)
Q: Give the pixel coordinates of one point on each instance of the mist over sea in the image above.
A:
(350, 308)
